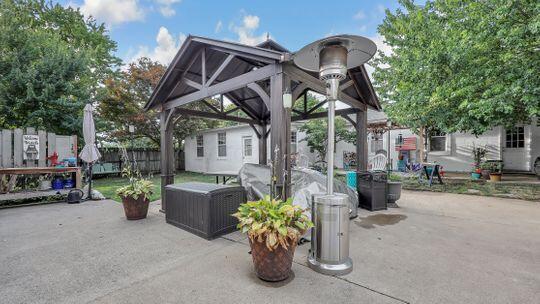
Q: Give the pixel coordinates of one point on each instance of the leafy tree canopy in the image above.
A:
(53, 62)
(125, 96)
(461, 65)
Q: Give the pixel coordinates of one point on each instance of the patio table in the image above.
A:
(45, 170)
(225, 175)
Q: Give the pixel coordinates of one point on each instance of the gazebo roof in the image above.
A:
(183, 82)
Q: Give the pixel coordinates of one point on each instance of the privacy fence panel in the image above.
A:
(31, 147)
(147, 160)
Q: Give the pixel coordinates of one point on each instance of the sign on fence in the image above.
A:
(28, 148)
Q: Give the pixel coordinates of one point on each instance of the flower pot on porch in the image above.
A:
(135, 209)
(485, 174)
(272, 266)
(394, 192)
(495, 177)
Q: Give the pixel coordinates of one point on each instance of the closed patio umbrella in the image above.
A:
(90, 152)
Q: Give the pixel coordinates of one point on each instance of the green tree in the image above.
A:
(53, 62)
(123, 101)
(316, 130)
(461, 65)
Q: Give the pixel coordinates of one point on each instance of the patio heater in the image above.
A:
(331, 57)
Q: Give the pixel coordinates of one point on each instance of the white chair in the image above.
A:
(378, 162)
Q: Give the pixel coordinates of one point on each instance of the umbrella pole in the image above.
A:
(90, 181)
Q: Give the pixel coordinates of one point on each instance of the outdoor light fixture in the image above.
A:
(287, 99)
(331, 57)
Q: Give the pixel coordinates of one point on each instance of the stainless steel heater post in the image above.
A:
(331, 57)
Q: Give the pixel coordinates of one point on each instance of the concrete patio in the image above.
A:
(436, 248)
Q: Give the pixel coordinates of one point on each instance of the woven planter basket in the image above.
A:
(272, 266)
(135, 209)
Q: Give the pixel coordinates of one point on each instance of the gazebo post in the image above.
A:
(361, 141)
(278, 133)
(167, 153)
(263, 145)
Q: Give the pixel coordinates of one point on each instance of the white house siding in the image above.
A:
(211, 162)
(456, 158)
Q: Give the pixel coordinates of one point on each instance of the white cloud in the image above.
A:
(359, 15)
(113, 11)
(246, 32)
(166, 7)
(219, 27)
(165, 50)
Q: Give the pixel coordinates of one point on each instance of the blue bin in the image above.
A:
(57, 183)
(351, 179)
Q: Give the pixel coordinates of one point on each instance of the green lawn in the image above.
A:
(108, 186)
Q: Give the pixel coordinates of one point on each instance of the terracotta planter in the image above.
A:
(272, 266)
(135, 209)
(495, 177)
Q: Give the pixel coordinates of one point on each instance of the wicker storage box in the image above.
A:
(203, 209)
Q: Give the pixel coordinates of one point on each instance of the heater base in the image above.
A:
(330, 269)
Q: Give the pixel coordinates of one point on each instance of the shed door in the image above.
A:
(247, 149)
(514, 149)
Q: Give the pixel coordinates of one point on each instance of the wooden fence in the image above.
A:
(19, 150)
(147, 160)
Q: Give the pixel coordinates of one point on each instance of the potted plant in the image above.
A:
(485, 169)
(394, 188)
(273, 227)
(476, 174)
(135, 195)
(495, 171)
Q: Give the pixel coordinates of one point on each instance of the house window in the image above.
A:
(248, 147)
(222, 144)
(200, 146)
(437, 141)
(515, 137)
(293, 142)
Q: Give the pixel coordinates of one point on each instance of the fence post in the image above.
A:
(51, 145)
(7, 160)
(17, 148)
(42, 148)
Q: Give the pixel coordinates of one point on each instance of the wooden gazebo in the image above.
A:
(254, 79)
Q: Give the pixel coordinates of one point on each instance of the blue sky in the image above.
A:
(156, 28)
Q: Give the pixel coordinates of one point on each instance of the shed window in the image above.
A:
(437, 141)
(222, 144)
(515, 137)
(200, 146)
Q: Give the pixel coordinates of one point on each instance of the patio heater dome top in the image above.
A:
(358, 51)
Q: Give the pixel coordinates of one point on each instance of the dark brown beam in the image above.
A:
(325, 114)
(222, 87)
(216, 116)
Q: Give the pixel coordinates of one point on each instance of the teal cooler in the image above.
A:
(351, 179)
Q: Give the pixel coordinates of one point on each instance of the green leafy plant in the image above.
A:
(276, 222)
(395, 177)
(496, 167)
(478, 154)
(138, 185)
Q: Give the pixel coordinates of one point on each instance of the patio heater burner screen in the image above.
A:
(331, 57)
